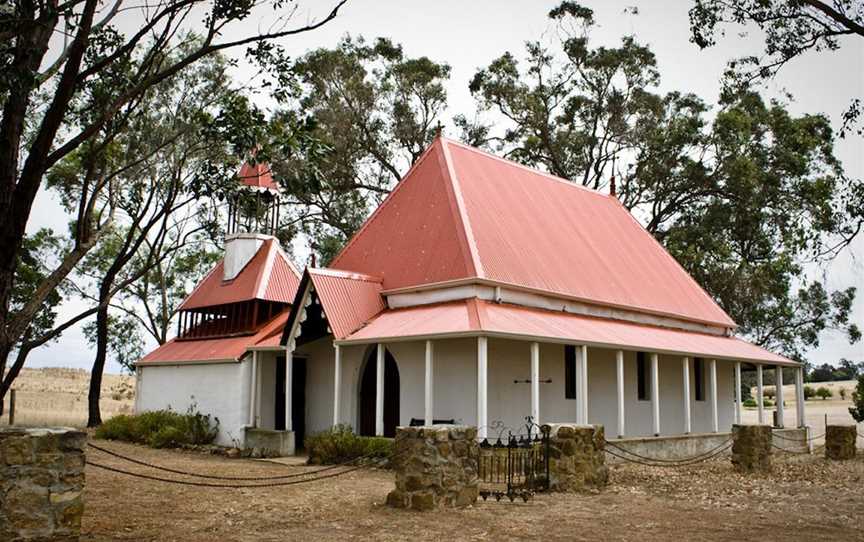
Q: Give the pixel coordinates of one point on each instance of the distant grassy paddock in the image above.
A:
(58, 397)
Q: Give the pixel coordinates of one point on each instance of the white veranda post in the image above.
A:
(799, 399)
(738, 392)
(580, 416)
(289, 375)
(712, 378)
(584, 390)
(760, 395)
(379, 391)
(482, 348)
(337, 381)
(778, 396)
(685, 369)
(619, 371)
(253, 387)
(535, 382)
(258, 387)
(655, 393)
(428, 393)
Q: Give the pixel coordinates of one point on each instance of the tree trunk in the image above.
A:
(12, 374)
(94, 414)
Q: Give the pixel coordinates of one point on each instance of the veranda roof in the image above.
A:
(475, 317)
(218, 349)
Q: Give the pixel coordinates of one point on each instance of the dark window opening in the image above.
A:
(642, 377)
(569, 371)
(699, 376)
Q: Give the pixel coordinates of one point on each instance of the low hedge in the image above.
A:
(751, 403)
(339, 444)
(161, 428)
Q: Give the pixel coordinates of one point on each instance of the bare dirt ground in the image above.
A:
(58, 397)
(806, 498)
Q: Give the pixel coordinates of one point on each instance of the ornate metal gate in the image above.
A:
(515, 466)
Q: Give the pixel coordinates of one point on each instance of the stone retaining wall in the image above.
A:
(41, 481)
(840, 441)
(792, 439)
(752, 447)
(576, 457)
(673, 447)
(436, 467)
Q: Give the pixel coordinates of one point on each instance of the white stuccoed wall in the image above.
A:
(456, 381)
(267, 409)
(219, 389)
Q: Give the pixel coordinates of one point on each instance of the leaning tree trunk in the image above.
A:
(94, 414)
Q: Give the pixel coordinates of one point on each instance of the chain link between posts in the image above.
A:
(271, 481)
(632, 457)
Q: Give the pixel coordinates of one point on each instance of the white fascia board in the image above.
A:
(556, 340)
(504, 294)
(182, 363)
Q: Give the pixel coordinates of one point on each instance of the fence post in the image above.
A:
(12, 406)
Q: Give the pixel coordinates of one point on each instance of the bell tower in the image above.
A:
(253, 216)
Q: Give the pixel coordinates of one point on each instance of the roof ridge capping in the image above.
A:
(546, 174)
(340, 273)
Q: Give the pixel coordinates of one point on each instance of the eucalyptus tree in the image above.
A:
(55, 56)
(791, 29)
(151, 190)
(370, 112)
(744, 197)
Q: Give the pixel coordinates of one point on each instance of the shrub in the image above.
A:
(169, 436)
(843, 393)
(767, 403)
(809, 393)
(824, 393)
(339, 444)
(750, 403)
(161, 428)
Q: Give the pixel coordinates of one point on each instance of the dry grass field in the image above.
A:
(58, 397)
(805, 498)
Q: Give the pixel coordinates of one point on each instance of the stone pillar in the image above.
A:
(751, 447)
(840, 441)
(436, 467)
(41, 481)
(577, 458)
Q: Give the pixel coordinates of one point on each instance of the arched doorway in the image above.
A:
(368, 385)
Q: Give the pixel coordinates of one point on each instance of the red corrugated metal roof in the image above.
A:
(269, 276)
(257, 175)
(349, 299)
(463, 213)
(474, 316)
(414, 237)
(229, 348)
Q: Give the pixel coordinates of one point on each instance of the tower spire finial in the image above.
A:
(438, 129)
(612, 191)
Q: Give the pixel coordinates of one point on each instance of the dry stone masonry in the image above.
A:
(41, 481)
(840, 441)
(577, 459)
(436, 467)
(751, 447)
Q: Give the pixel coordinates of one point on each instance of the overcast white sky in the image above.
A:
(468, 35)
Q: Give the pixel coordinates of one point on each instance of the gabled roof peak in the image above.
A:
(269, 275)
